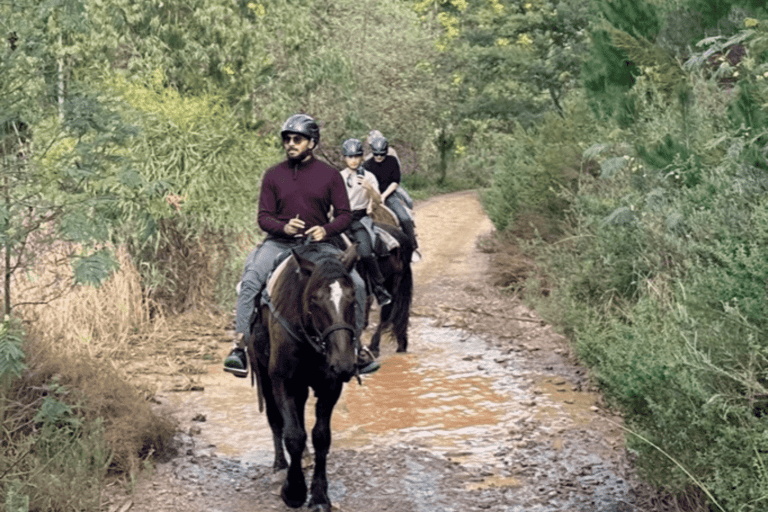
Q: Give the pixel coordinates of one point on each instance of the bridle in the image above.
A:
(317, 341)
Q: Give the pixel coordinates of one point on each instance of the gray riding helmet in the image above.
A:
(379, 146)
(303, 125)
(352, 147)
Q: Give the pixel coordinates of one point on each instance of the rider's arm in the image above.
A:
(340, 202)
(267, 218)
(391, 188)
(393, 163)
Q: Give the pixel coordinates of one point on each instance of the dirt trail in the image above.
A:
(485, 412)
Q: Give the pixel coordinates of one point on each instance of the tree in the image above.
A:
(63, 173)
(510, 61)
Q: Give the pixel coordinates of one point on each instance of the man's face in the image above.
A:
(378, 158)
(297, 147)
(353, 162)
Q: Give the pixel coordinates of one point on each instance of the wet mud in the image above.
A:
(485, 412)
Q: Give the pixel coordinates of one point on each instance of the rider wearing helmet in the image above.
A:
(296, 196)
(362, 189)
(386, 168)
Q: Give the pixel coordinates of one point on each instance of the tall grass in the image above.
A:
(71, 417)
(97, 321)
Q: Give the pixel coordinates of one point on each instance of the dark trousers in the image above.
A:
(360, 235)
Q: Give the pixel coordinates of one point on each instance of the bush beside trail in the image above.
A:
(652, 260)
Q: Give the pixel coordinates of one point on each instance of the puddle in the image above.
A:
(455, 396)
(518, 432)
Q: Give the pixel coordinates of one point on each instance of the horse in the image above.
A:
(395, 265)
(309, 316)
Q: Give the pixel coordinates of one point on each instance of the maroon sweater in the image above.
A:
(309, 190)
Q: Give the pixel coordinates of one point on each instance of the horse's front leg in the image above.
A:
(291, 403)
(321, 440)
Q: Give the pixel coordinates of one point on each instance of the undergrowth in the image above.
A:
(68, 417)
(657, 273)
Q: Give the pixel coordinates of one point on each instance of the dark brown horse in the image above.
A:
(310, 320)
(396, 267)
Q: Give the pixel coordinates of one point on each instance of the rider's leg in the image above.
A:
(365, 251)
(395, 204)
(365, 360)
(258, 265)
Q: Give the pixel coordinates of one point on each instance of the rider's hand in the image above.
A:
(294, 226)
(317, 233)
(364, 182)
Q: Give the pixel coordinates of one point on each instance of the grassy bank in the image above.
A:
(68, 416)
(650, 247)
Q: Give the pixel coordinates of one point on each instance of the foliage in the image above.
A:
(537, 165)
(67, 421)
(355, 73)
(11, 356)
(660, 277)
(506, 61)
(61, 157)
(54, 460)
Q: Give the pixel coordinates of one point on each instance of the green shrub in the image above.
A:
(661, 282)
(64, 423)
(538, 164)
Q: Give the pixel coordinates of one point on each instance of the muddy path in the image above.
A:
(487, 410)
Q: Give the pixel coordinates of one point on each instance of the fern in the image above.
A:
(94, 268)
(11, 355)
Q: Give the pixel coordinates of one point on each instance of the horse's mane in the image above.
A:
(328, 265)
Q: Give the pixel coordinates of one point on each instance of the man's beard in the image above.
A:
(299, 157)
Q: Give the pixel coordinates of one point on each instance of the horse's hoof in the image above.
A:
(292, 501)
(323, 507)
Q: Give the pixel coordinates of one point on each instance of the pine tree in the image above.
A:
(607, 75)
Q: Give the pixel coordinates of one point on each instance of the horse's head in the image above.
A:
(328, 309)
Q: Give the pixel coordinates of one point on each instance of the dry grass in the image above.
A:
(82, 335)
(97, 321)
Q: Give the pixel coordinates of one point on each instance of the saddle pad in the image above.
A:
(389, 242)
(274, 275)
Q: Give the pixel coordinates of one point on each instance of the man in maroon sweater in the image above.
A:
(296, 196)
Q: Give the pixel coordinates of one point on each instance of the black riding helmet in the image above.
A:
(379, 146)
(352, 147)
(303, 125)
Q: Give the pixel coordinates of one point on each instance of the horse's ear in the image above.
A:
(349, 257)
(305, 265)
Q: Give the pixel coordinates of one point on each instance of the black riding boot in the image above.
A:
(236, 362)
(377, 281)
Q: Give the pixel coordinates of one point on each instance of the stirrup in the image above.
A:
(382, 296)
